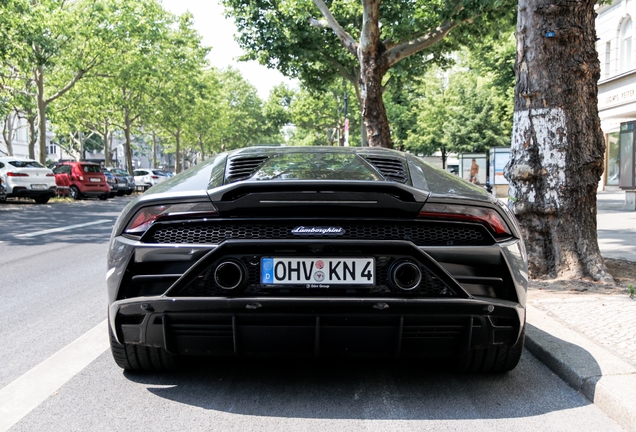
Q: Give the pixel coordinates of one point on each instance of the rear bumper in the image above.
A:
(94, 191)
(32, 193)
(382, 327)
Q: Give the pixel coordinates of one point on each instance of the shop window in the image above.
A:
(613, 158)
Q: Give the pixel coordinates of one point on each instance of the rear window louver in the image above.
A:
(243, 167)
(392, 169)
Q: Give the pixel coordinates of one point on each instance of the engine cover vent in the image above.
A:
(391, 168)
(243, 167)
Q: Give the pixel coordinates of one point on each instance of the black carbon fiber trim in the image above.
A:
(420, 233)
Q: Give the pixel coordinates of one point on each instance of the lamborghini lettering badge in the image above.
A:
(318, 231)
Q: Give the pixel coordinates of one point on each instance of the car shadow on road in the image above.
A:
(362, 389)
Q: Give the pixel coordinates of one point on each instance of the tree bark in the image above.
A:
(557, 143)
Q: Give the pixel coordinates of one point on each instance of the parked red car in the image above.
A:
(82, 179)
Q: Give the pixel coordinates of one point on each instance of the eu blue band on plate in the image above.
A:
(267, 271)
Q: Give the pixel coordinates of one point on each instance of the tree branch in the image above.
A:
(420, 43)
(18, 91)
(343, 71)
(318, 23)
(78, 76)
(349, 42)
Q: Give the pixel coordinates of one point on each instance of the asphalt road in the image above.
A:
(52, 299)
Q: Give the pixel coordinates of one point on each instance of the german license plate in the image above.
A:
(317, 272)
(121, 184)
(94, 179)
(38, 186)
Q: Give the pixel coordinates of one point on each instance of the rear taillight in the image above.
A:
(50, 175)
(485, 216)
(155, 177)
(13, 174)
(145, 217)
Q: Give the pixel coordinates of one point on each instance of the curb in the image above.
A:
(604, 379)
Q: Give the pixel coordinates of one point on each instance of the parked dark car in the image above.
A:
(82, 179)
(125, 182)
(317, 251)
(112, 182)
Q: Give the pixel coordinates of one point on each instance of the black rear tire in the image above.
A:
(497, 359)
(141, 358)
(41, 200)
(74, 193)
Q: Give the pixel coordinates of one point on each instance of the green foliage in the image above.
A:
(631, 291)
(468, 108)
(279, 34)
(318, 117)
(241, 122)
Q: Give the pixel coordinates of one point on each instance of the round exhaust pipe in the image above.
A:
(405, 275)
(229, 275)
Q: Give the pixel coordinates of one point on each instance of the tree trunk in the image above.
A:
(373, 66)
(7, 133)
(154, 149)
(41, 104)
(444, 157)
(202, 149)
(128, 144)
(33, 136)
(108, 159)
(557, 145)
(82, 148)
(177, 137)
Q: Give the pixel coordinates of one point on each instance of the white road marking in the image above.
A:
(27, 392)
(66, 228)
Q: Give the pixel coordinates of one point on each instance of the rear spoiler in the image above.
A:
(324, 198)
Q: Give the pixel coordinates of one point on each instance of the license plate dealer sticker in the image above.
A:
(317, 272)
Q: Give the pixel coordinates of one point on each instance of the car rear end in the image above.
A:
(90, 180)
(29, 179)
(288, 257)
(125, 182)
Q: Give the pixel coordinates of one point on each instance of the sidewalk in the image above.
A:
(589, 340)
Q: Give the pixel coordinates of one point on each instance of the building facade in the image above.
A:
(617, 86)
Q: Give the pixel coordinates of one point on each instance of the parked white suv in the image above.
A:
(27, 178)
(148, 177)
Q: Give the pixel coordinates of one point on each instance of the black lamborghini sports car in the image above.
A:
(317, 251)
